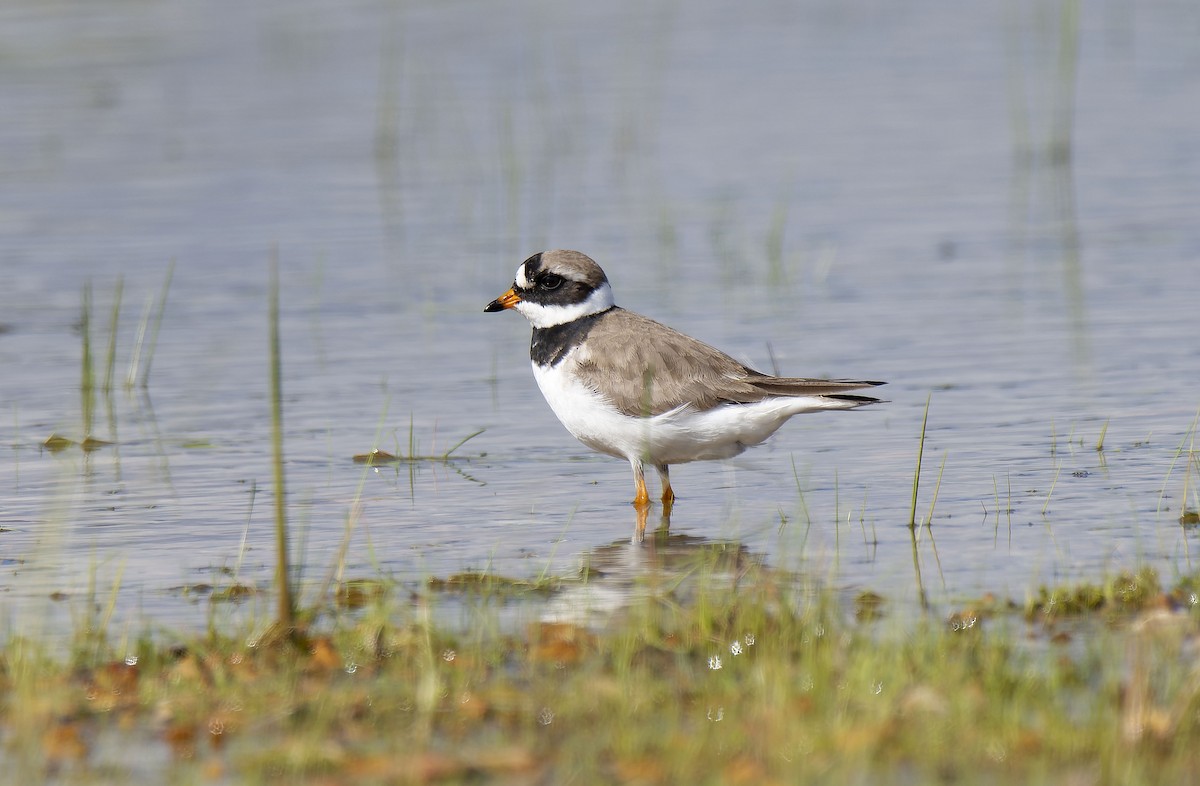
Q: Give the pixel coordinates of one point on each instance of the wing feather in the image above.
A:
(643, 377)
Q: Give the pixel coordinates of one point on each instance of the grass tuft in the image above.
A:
(771, 683)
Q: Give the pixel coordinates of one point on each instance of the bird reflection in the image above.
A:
(648, 564)
(642, 513)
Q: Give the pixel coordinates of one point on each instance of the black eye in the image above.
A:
(550, 281)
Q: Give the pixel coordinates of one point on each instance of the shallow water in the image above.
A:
(956, 201)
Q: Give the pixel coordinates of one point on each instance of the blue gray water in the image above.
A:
(993, 204)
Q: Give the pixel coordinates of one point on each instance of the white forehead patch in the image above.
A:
(522, 282)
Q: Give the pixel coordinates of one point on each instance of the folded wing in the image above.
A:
(645, 378)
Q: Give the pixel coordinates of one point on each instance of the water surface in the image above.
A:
(991, 205)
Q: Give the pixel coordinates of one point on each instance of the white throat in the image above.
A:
(541, 316)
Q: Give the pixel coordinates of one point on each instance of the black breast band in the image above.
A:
(550, 345)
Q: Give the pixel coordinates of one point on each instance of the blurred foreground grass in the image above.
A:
(760, 683)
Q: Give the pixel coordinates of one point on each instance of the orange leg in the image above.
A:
(641, 499)
(668, 494)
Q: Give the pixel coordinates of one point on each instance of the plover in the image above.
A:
(636, 389)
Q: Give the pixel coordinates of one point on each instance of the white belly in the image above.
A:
(674, 437)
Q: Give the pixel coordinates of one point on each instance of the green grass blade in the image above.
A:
(157, 324)
(87, 378)
(286, 608)
(916, 485)
(110, 360)
(462, 442)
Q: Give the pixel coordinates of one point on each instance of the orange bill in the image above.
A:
(507, 300)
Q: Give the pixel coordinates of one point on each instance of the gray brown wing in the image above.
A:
(648, 377)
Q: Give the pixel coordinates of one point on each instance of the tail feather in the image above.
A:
(792, 386)
(852, 401)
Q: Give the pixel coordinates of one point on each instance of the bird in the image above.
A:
(633, 388)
